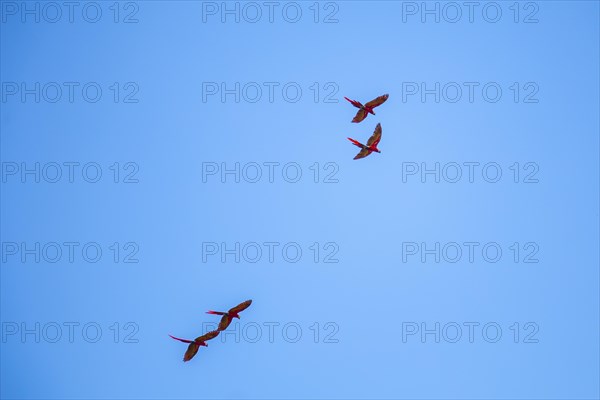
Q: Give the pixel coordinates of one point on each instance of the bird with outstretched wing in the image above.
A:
(366, 109)
(371, 145)
(196, 343)
(228, 316)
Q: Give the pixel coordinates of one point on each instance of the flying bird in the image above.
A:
(231, 314)
(367, 108)
(371, 144)
(196, 343)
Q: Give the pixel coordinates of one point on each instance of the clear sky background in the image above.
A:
(376, 221)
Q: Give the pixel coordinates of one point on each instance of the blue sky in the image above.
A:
(146, 184)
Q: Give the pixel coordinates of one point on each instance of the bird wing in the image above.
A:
(225, 321)
(182, 340)
(376, 137)
(241, 306)
(363, 153)
(207, 336)
(360, 115)
(378, 101)
(191, 351)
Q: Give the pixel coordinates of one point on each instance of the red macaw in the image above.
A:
(371, 144)
(367, 108)
(231, 314)
(196, 343)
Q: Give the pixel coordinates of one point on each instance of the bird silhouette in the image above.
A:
(231, 314)
(371, 144)
(367, 108)
(196, 343)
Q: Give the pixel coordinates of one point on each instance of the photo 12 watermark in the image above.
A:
(455, 12)
(89, 92)
(274, 332)
(470, 332)
(470, 92)
(69, 252)
(71, 172)
(69, 332)
(269, 92)
(270, 12)
(252, 252)
(69, 12)
(254, 172)
(471, 252)
(471, 172)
